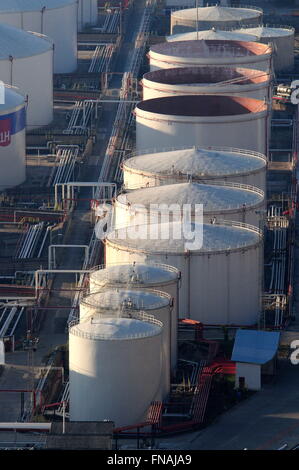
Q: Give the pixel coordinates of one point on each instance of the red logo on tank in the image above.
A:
(5, 136)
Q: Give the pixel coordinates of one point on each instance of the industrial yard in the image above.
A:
(125, 128)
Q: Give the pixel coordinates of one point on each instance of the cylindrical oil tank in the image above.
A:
(201, 164)
(115, 369)
(54, 18)
(12, 138)
(214, 34)
(252, 55)
(216, 16)
(202, 120)
(282, 39)
(159, 304)
(26, 61)
(221, 281)
(207, 80)
(156, 276)
(219, 201)
(87, 13)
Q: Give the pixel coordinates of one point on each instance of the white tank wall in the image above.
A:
(216, 288)
(60, 24)
(12, 142)
(282, 40)
(38, 86)
(175, 165)
(165, 314)
(135, 179)
(180, 24)
(202, 131)
(170, 287)
(254, 172)
(153, 88)
(87, 13)
(127, 215)
(213, 53)
(113, 379)
(284, 56)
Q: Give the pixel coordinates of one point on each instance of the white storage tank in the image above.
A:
(202, 120)
(207, 80)
(156, 303)
(221, 281)
(12, 138)
(252, 55)
(213, 34)
(201, 164)
(87, 13)
(156, 276)
(221, 201)
(159, 304)
(214, 16)
(26, 61)
(115, 369)
(54, 18)
(282, 39)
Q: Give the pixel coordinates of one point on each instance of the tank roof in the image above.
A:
(18, 43)
(225, 236)
(116, 299)
(12, 99)
(268, 31)
(206, 75)
(210, 48)
(197, 162)
(202, 105)
(219, 35)
(13, 6)
(213, 197)
(218, 13)
(135, 273)
(115, 328)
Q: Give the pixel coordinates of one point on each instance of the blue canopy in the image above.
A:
(255, 347)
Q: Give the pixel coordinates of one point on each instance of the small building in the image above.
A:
(255, 355)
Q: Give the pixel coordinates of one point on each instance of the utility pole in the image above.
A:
(197, 19)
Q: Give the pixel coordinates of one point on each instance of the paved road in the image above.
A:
(265, 421)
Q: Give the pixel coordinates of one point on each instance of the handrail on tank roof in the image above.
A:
(228, 184)
(142, 316)
(166, 267)
(125, 308)
(267, 25)
(195, 147)
(228, 223)
(238, 7)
